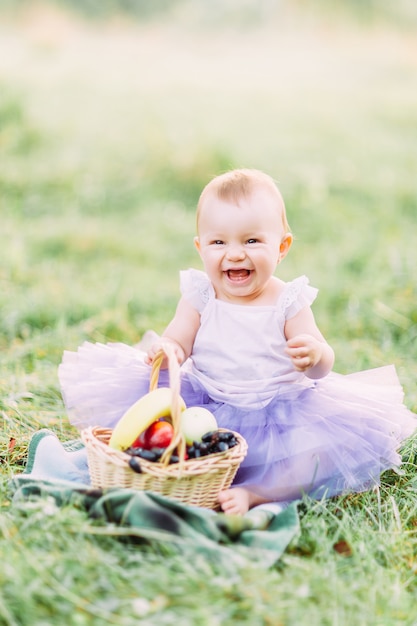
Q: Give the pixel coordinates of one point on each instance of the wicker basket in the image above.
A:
(192, 481)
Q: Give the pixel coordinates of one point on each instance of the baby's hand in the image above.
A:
(158, 345)
(305, 351)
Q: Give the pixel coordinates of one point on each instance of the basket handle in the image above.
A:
(178, 440)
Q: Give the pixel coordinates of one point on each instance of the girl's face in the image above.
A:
(241, 244)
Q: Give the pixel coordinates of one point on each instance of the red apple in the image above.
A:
(158, 435)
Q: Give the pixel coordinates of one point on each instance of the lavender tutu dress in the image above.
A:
(323, 438)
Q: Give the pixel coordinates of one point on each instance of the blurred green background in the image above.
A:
(114, 115)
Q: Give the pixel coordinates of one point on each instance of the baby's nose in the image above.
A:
(236, 252)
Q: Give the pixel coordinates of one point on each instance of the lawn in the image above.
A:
(109, 128)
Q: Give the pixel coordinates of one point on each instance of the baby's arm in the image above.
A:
(309, 351)
(180, 333)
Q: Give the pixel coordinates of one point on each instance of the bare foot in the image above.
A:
(238, 500)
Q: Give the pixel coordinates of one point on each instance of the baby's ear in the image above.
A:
(285, 245)
(197, 244)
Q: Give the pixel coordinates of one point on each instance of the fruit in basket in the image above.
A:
(195, 422)
(211, 443)
(157, 435)
(148, 409)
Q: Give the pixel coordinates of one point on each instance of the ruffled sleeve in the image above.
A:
(296, 295)
(196, 287)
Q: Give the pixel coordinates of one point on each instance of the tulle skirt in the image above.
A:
(336, 436)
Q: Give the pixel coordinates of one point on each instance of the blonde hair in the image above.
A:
(240, 183)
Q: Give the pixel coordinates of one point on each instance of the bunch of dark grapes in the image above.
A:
(211, 443)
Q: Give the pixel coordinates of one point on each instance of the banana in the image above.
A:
(155, 404)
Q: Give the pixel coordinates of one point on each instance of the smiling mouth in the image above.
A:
(237, 275)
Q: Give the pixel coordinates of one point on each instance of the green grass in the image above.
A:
(107, 135)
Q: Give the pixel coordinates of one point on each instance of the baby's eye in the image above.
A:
(252, 241)
(218, 242)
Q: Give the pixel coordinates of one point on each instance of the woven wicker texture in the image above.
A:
(192, 481)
